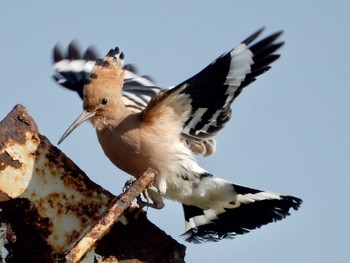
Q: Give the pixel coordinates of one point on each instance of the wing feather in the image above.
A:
(210, 93)
(202, 104)
(73, 69)
(215, 88)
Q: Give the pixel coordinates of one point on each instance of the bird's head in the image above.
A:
(102, 92)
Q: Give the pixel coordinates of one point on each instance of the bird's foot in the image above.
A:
(128, 184)
(149, 194)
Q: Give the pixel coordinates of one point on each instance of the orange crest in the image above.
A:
(107, 72)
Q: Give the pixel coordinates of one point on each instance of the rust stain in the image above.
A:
(20, 119)
(49, 202)
(4, 197)
(46, 190)
(6, 160)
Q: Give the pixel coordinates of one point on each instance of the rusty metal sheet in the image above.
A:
(47, 204)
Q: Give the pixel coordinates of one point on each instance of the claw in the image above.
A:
(128, 184)
(142, 203)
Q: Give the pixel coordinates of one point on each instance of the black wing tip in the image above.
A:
(275, 35)
(131, 67)
(253, 36)
(55, 78)
(90, 54)
(57, 53)
(113, 52)
(198, 236)
(268, 44)
(293, 202)
(73, 50)
(242, 220)
(269, 59)
(257, 33)
(275, 46)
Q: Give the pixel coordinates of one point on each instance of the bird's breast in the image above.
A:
(135, 148)
(124, 150)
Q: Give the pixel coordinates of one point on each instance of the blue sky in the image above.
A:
(289, 132)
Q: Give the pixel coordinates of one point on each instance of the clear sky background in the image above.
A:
(289, 132)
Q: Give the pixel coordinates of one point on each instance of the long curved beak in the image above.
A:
(86, 115)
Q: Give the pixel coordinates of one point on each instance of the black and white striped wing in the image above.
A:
(72, 69)
(250, 209)
(212, 90)
(137, 90)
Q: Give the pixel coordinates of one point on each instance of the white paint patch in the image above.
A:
(92, 256)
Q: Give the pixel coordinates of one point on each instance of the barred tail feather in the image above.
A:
(251, 209)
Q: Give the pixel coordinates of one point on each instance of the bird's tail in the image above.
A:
(248, 210)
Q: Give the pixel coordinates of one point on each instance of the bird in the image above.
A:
(172, 127)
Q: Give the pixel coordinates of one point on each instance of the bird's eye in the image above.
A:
(104, 101)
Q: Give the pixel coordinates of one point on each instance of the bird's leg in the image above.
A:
(128, 184)
(157, 202)
(140, 202)
(153, 192)
(148, 194)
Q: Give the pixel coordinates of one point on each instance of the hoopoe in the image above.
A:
(177, 124)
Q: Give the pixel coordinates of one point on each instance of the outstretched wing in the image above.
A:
(214, 89)
(209, 94)
(72, 69)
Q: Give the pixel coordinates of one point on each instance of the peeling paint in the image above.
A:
(53, 191)
(65, 201)
(47, 204)
(14, 180)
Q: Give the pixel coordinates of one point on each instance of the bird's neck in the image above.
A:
(111, 118)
